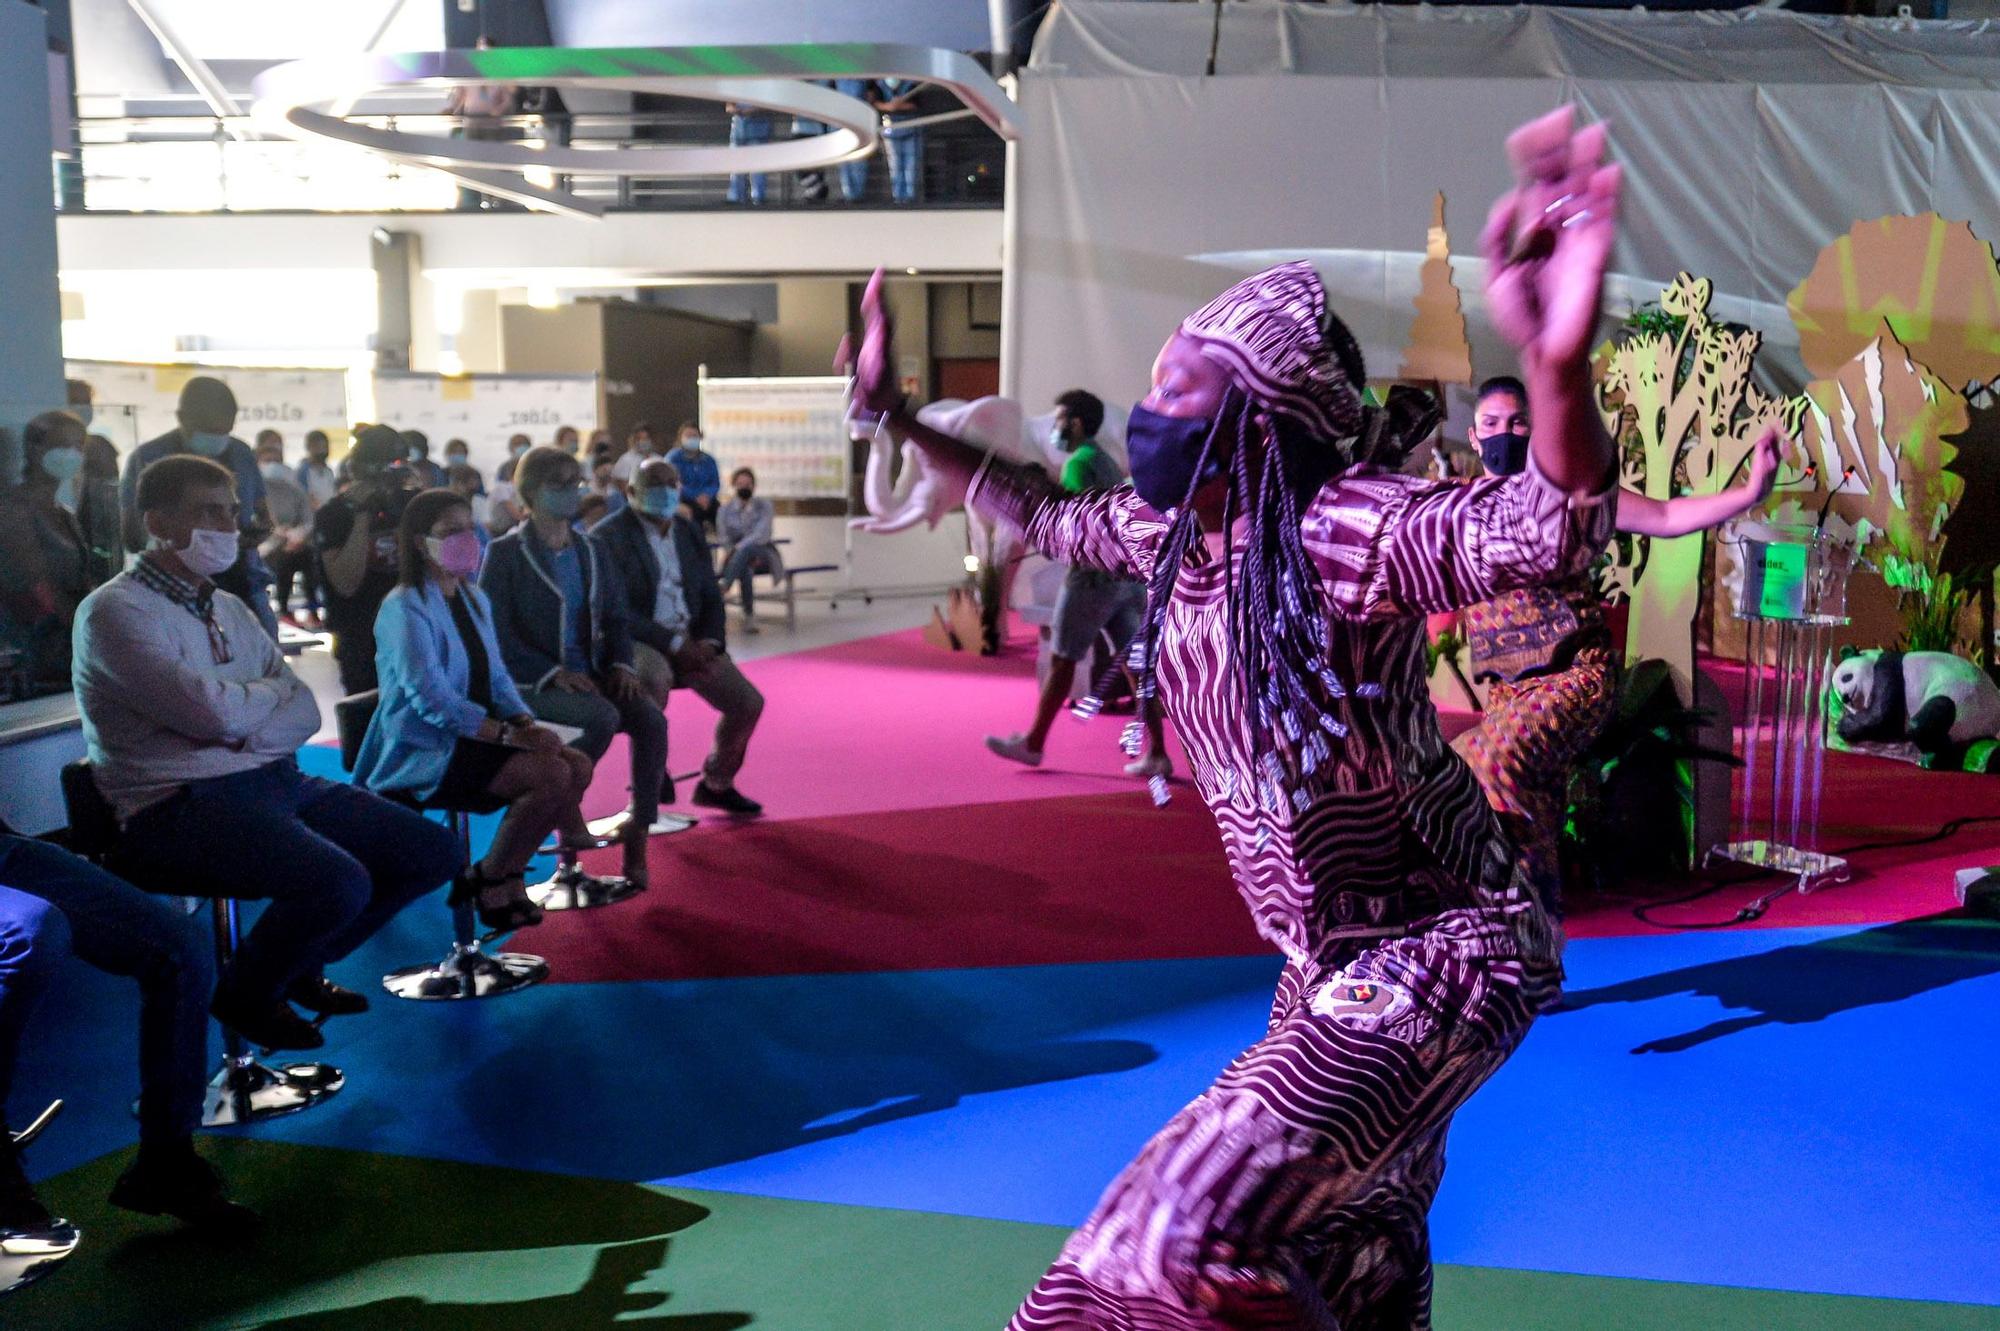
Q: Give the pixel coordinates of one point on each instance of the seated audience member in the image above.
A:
(207, 413)
(503, 503)
(673, 617)
(640, 448)
(97, 508)
(193, 722)
(744, 522)
(599, 442)
(288, 549)
(52, 903)
(458, 453)
(316, 475)
(566, 439)
(701, 482)
(355, 534)
(593, 510)
(45, 559)
(464, 482)
(556, 614)
(451, 726)
(424, 474)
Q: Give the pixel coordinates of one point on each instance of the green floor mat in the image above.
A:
(358, 1241)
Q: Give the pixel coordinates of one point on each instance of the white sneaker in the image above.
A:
(1152, 765)
(1015, 748)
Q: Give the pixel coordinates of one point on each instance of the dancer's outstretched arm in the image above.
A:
(1692, 513)
(1103, 529)
(1547, 242)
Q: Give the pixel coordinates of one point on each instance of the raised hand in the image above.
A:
(1766, 455)
(1547, 241)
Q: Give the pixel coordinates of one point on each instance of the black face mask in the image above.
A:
(1166, 453)
(1504, 454)
(744, 492)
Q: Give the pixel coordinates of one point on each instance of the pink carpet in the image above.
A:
(895, 841)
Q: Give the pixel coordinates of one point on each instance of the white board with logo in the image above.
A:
(484, 409)
(135, 402)
(792, 432)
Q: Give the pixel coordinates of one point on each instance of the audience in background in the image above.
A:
(193, 722)
(451, 727)
(458, 453)
(745, 524)
(556, 613)
(80, 399)
(747, 125)
(54, 904)
(591, 511)
(639, 448)
(600, 442)
(427, 475)
(97, 509)
(566, 439)
(604, 485)
(355, 534)
(854, 174)
(701, 481)
(463, 481)
(316, 475)
(503, 504)
(207, 413)
(46, 564)
(288, 549)
(906, 146)
(671, 606)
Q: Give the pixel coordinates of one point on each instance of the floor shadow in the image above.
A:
(1809, 982)
(340, 1225)
(606, 1299)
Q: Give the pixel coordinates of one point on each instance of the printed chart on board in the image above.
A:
(791, 432)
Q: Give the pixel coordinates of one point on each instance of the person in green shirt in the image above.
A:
(1094, 607)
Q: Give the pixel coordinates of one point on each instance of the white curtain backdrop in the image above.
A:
(1750, 139)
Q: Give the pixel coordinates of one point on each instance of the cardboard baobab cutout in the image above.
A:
(1679, 400)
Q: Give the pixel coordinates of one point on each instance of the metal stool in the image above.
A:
(467, 970)
(27, 1255)
(242, 1090)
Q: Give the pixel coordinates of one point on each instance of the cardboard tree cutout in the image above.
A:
(1438, 349)
(1680, 403)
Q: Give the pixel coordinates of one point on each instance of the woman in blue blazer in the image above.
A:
(450, 728)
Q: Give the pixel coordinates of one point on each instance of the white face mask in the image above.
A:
(210, 552)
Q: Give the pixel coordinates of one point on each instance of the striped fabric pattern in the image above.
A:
(1294, 1191)
(1283, 346)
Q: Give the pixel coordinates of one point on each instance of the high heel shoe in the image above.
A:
(516, 912)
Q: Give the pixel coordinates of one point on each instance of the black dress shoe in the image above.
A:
(318, 994)
(175, 1181)
(21, 1212)
(667, 793)
(268, 1026)
(731, 800)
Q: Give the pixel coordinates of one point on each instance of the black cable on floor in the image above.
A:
(1754, 910)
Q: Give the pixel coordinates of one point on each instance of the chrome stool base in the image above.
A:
(573, 889)
(664, 824)
(246, 1091)
(28, 1255)
(467, 972)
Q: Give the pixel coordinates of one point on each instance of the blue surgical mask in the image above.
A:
(62, 464)
(560, 501)
(83, 411)
(207, 444)
(660, 501)
(1166, 452)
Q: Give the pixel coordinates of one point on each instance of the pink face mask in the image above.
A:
(457, 554)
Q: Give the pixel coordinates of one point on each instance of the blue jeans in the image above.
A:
(745, 130)
(906, 162)
(853, 175)
(334, 861)
(743, 563)
(55, 903)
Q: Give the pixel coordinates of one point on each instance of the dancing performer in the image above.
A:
(1545, 652)
(1289, 570)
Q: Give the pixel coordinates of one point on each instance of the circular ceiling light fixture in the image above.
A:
(294, 98)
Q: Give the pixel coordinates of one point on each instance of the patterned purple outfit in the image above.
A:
(1294, 1191)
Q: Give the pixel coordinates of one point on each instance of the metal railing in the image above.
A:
(199, 163)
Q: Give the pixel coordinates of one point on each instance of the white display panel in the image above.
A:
(136, 402)
(791, 432)
(484, 409)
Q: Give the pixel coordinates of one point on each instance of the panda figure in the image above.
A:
(1935, 700)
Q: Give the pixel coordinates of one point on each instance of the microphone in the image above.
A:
(1832, 490)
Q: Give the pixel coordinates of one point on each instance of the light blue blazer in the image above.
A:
(425, 682)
